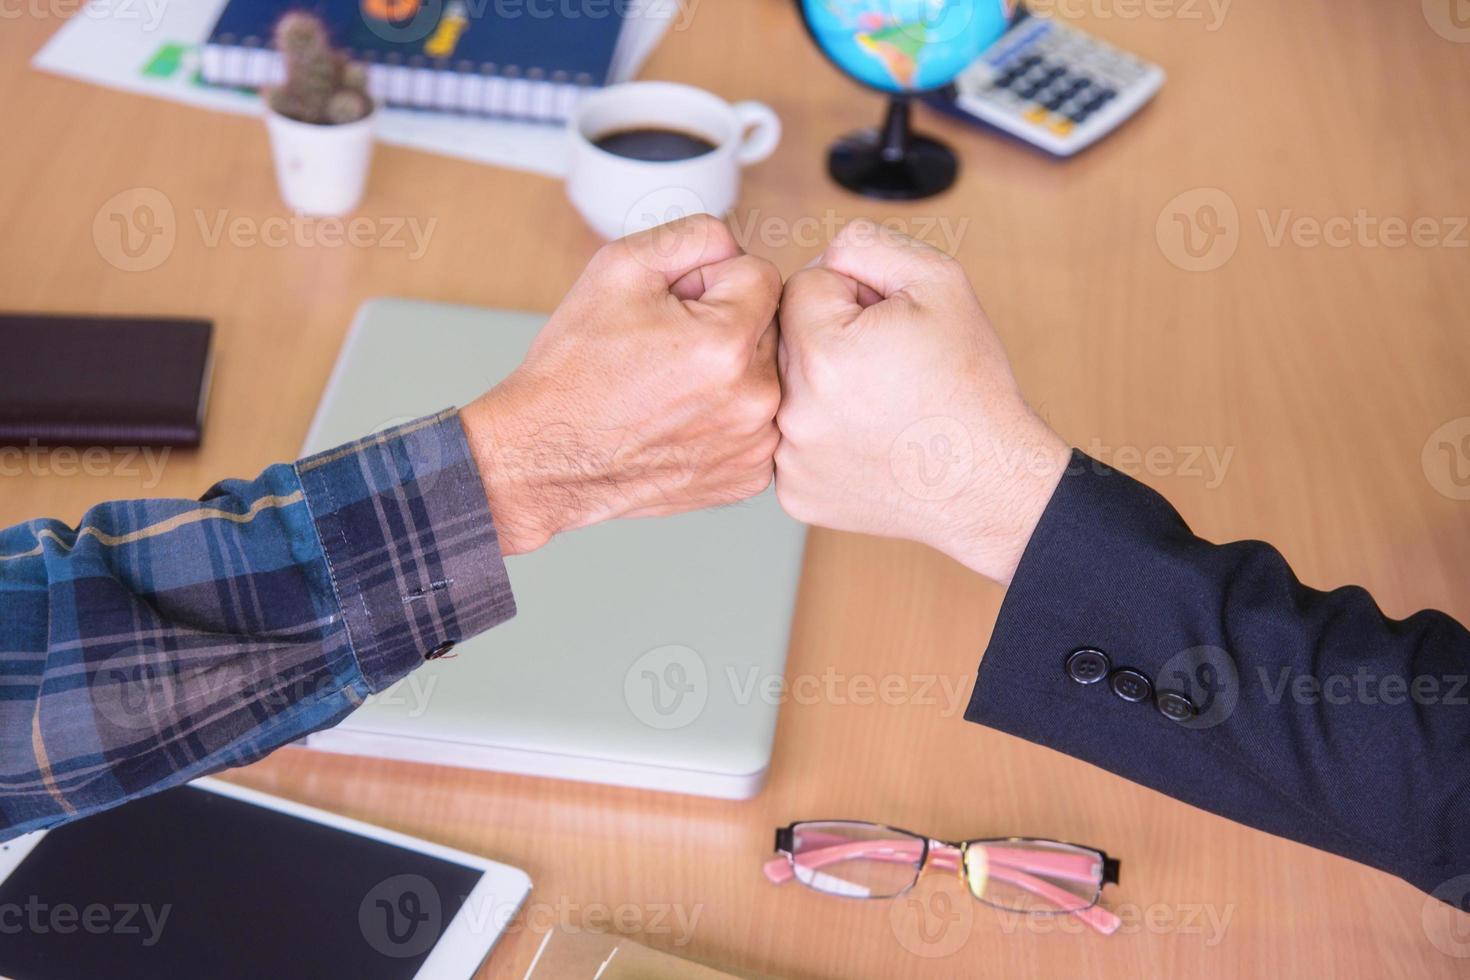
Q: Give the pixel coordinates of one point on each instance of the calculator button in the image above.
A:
(1055, 102)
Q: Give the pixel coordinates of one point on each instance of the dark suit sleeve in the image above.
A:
(1314, 716)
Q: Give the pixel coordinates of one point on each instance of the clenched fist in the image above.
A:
(652, 390)
(900, 415)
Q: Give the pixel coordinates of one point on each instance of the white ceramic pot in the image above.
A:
(322, 170)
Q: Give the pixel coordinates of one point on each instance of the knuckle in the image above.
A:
(791, 500)
(765, 402)
(724, 358)
(707, 228)
(821, 370)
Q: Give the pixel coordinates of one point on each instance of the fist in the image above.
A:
(651, 390)
(900, 415)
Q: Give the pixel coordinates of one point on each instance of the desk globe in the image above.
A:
(902, 48)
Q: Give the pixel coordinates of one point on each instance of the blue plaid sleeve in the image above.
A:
(161, 640)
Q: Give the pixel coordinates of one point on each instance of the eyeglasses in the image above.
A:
(856, 859)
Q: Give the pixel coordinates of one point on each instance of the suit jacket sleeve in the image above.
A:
(1211, 674)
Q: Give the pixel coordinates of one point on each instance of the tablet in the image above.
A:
(214, 880)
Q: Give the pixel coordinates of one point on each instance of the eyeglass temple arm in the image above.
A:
(780, 870)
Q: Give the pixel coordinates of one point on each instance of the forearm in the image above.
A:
(1281, 737)
(161, 640)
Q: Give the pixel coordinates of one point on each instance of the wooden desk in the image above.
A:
(1322, 370)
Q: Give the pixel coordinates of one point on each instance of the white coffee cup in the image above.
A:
(619, 196)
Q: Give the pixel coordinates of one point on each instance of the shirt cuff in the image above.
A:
(1111, 568)
(410, 544)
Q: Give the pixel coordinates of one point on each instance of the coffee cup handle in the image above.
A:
(760, 131)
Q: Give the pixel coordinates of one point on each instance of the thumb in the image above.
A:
(886, 261)
(817, 299)
(741, 292)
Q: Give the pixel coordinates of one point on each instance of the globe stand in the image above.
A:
(894, 164)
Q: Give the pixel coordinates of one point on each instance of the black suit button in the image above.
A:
(1174, 706)
(1130, 685)
(1087, 666)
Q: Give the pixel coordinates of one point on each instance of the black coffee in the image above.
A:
(650, 143)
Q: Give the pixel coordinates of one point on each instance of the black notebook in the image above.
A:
(517, 60)
(103, 381)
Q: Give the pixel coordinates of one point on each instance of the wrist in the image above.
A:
(532, 495)
(993, 521)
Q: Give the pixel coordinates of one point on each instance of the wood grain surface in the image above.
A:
(1291, 392)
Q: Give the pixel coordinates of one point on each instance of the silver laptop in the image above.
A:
(646, 652)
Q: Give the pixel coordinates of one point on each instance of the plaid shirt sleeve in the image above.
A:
(162, 640)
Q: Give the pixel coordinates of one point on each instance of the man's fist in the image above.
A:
(900, 414)
(652, 390)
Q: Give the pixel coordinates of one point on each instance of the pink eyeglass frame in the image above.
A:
(1015, 866)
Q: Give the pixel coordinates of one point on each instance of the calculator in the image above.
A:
(1051, 85)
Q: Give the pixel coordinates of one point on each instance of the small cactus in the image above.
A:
(321, 85)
